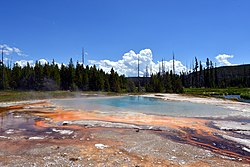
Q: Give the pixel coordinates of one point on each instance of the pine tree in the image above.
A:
(4, 80)
(39, 78)
(168, 83)
(78, 80)
(64, 80)
(71, 75)
(196, 78)
(201, 77)
(106, 83)
(15, 77)
(85, 79)
(55, 74)
(114, 81)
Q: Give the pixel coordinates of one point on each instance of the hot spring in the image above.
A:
(147, 105)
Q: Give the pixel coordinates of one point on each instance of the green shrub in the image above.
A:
(245, 95)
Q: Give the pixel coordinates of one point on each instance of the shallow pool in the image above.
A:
(142, 104)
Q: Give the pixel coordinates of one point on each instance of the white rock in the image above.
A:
(3, 137)
(245, 142)
(100, 146)
(182, 162)
(246, 149)
(36, 138)
(66, 122)
(63, 132)
(9, 131)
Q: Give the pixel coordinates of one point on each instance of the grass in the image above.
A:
(244, 92)
(32, 95)
(11, 95)
(245, 95)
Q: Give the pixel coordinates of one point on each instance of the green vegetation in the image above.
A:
(210, 80)
(217, 91)
(27, 82)
(13, 95)
(245, 95)
(49, 77)
(211, 76)
(33, 95)
(164, 83)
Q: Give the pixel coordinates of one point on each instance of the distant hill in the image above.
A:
(219, 77)
(143, 80)
(238, 71)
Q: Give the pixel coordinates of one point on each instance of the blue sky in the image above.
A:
(58, 29)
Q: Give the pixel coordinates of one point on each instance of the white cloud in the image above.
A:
(43, 61)
(8, 50)
(23, 63)
(223, 59)
(128, 65)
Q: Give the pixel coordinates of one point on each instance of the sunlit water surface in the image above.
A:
(142, 104)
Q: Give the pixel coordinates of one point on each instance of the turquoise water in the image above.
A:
(144, 105)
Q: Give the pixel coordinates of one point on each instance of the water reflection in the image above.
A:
(144, 105)
(16, 121)
(232, 97)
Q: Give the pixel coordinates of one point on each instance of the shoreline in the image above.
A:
(164, 96)
(239, 106)
(103, 135)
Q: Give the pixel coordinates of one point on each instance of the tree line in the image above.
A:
(210, 76)
(67, 77)
(50, 76)
(165, 82)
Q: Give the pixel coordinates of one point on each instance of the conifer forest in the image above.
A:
(73, 77)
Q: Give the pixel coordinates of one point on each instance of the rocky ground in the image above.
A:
(40, 134)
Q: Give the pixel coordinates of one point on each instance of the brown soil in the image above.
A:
(188, 142)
